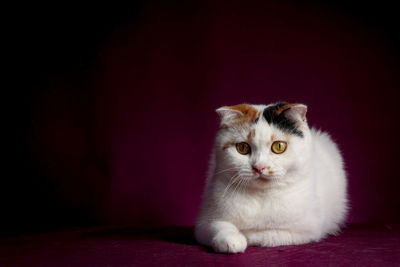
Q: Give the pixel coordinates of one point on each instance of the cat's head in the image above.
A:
(262, 145)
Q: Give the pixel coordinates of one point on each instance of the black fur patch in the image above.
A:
(283, 123)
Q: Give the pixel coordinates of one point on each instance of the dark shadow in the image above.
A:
(174, 234)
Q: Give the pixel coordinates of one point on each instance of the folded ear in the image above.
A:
(296, 112)
(237, 114)
(228, 115)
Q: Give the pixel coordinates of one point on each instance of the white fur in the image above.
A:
(303, 201)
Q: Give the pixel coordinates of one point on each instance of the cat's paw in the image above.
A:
(230, 242)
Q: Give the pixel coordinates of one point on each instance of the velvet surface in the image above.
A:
(358, 245)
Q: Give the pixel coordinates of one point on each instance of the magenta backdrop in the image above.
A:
(163, 78)
(155, 85)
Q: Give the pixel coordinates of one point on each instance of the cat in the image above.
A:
(272, 181)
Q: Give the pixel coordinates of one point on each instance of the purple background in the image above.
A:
(116, 117)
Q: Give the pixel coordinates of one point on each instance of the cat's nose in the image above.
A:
(259, 168)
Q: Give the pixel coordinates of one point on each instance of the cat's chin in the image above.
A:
(265, 181)
(267, 178)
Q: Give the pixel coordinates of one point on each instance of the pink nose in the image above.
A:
(259, 168)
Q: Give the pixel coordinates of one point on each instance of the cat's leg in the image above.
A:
(222, 236)
(278, 237)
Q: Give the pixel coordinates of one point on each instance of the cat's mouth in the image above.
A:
(267, 178)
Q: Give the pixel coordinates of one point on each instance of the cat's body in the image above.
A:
(272, 181)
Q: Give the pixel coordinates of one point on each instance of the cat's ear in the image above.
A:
(296, 113)
(237, 114)
(228, 115)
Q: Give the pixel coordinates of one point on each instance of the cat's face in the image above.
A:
(261, 146)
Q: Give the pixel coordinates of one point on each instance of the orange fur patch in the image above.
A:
(283, 108)
(249, 113)
(251, 134)
(273, 137)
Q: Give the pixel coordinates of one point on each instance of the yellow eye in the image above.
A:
(243, 148)
(278, 147)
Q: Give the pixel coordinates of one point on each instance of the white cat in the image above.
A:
(272, 181)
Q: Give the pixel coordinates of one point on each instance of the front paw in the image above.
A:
(230, 242)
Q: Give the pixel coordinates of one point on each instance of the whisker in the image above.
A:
(225, 170)
(246, 182)
(238, 188)
(232, 180)
(235, 189)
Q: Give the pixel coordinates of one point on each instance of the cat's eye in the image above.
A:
(278, 147)
(243, 148)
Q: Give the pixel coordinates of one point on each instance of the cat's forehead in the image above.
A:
(260, 125)
(272, 118)
(262, 121)
(262, 129)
